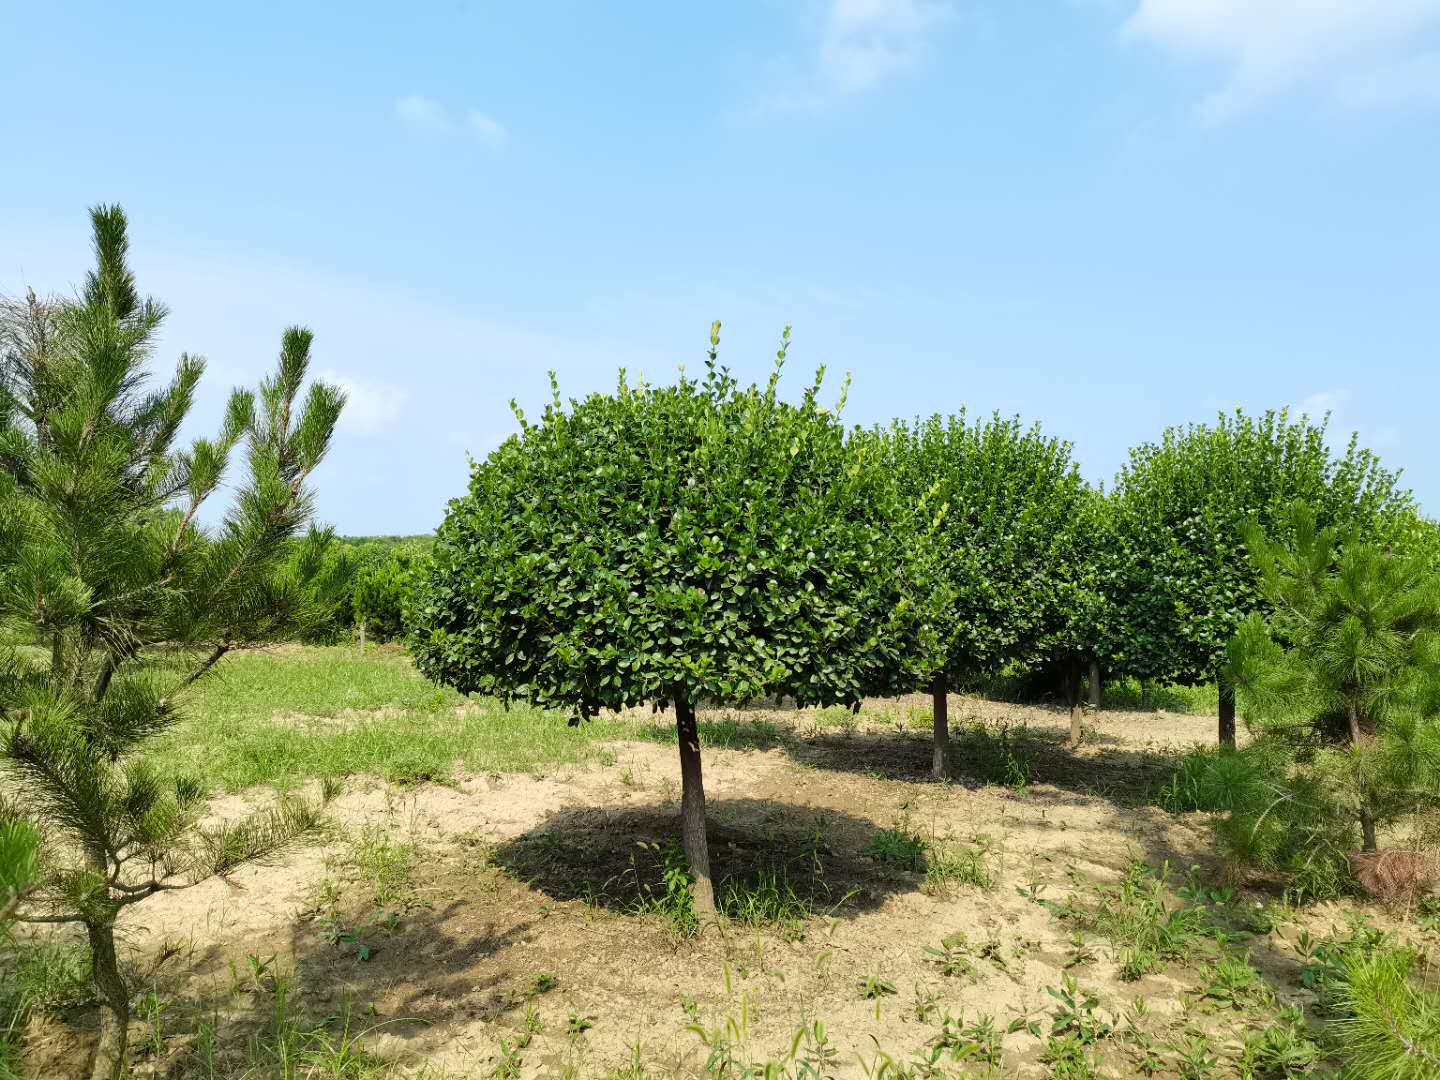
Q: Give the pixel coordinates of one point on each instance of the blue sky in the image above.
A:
(1105, 216)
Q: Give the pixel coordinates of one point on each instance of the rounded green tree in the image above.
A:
(1180, 506)
(998, 556)
(671, 546)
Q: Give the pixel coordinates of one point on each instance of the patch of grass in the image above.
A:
(1136, 915)
(1280, 1052)
(725, 733)
(977, 1041)
(1204, 778)
(37, 974)
(1195, 1057)
(948, 865)
(766, 900)
(292, 715)
(1002, 755)
(385, 863)
(1131, 694)
(897, 847)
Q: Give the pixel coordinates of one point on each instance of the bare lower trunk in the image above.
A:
(692, 807)
(940, 764)
(1072, 698)
(1095, 684)
(112, 1051)
(362, 635)
(1227, 715)
(1367, 819)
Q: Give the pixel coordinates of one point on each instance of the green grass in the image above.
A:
(292, 715)
(1203, 700)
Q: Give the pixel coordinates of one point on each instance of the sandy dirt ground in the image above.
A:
(518, 881)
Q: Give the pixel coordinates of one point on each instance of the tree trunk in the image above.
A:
(1367, 819)
(940, 704)
(362, 635)
(1094, 683)
(112, 1051)
(692, 808)
(1227, 715)
(1072, 698)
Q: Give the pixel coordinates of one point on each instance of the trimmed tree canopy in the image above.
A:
(1002, 557)
(698, 542)
(1180, 508)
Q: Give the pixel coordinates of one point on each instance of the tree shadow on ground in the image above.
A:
(769, 861)
(1015, 756)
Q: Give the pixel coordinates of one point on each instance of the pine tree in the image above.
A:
(121, 599)
(1342, 683)
(1179, 507)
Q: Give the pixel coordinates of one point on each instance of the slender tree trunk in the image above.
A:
(362, 635)
(112, 1051)
(1367, 819)
(1094, 683)
(1072, 698)
(1227, 715)
(940, 703)
(692, 807)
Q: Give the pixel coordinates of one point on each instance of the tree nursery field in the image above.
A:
(495, 894)
(707, 736)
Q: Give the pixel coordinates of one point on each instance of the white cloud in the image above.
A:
(370, 407)
(1317, 405)
(866, 42)
(1334, 405)
(430, 118)
(858, 46)
(1356, 52)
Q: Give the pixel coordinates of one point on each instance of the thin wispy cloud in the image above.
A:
(430, 118)
(370, 407)
(858, 46)
(1333, 407)
(1363, 53)
(1319, 405)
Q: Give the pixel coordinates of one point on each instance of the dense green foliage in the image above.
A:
(19, 861)
(1179, 507)
(671, 546)
(104, 565)
(1010, 571)
(698, 540)
(1342, 685)
(1390, 1023)
(384, 587)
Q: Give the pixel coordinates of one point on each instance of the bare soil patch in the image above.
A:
(504, 919)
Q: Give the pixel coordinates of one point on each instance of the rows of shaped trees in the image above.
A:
(707, 543)
(669, 547)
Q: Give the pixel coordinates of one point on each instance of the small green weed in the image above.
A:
(897, 847)
(873, 987)
(953, 956)
(1279, 1052)
(673, 899)
(1232, 983)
